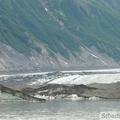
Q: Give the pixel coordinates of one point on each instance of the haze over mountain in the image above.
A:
(49, 34)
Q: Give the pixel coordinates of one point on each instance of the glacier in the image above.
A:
(63, 77)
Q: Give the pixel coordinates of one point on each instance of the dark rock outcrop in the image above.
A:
(58, 89)
(104, 91)
(19, 94)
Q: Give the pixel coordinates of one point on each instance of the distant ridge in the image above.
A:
(43, 34)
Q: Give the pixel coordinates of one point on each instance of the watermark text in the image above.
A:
(112, 115)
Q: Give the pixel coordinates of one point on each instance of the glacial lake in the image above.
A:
(56, 110)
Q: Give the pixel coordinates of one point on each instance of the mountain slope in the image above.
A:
(58, 34)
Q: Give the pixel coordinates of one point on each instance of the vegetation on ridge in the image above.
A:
(65, 25)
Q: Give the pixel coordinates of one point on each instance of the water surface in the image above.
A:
(56, 110)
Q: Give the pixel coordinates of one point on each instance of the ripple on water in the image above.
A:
(56, 110)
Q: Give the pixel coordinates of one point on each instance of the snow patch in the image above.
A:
(46, 9)
(63, 62)
(103, 62)
(99, 59)
(94, 56)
